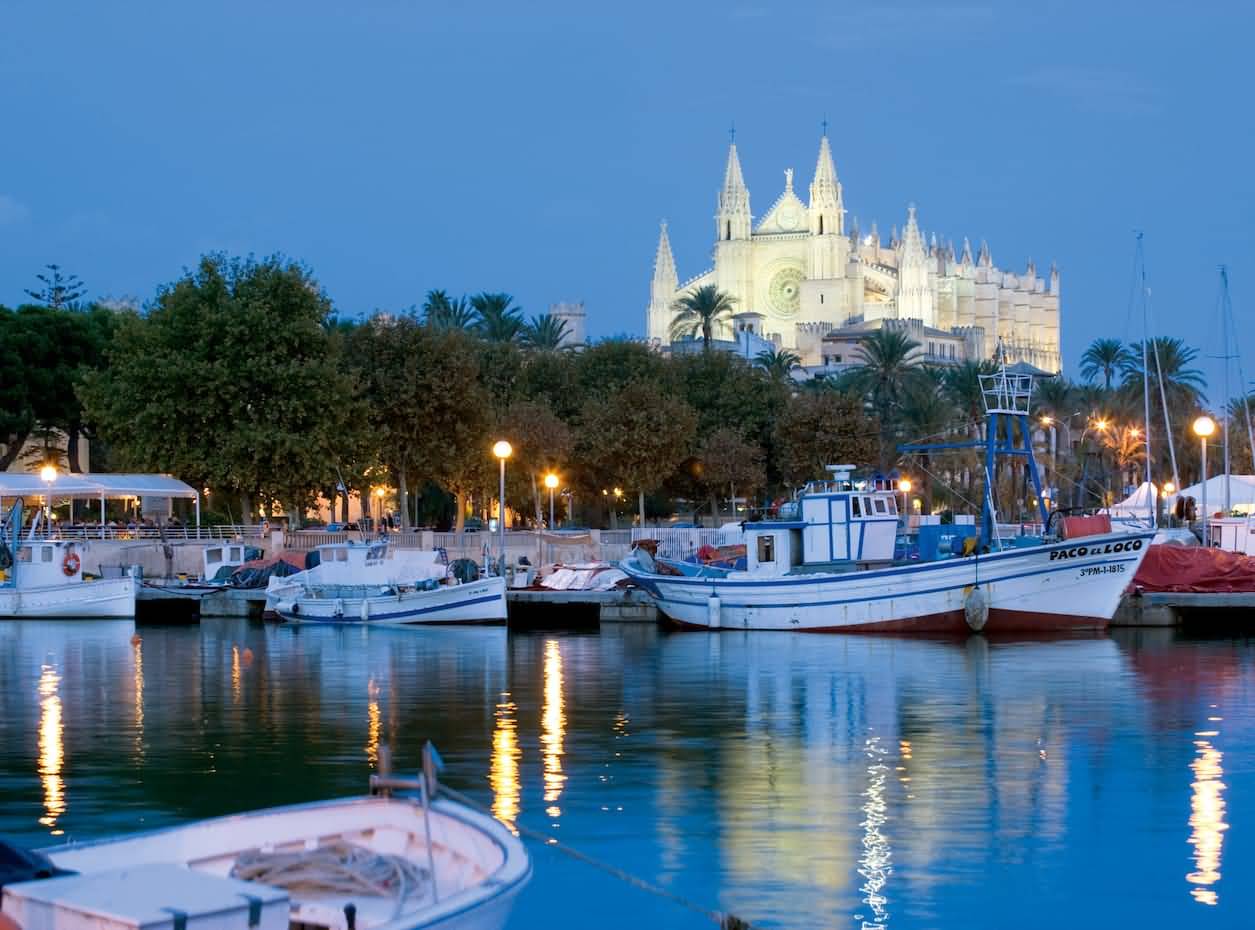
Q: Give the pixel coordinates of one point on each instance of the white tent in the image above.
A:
(97, 486)
(1241, 494)
(1141, 503)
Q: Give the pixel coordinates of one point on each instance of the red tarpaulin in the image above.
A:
(1195, 569)
(1096, 525)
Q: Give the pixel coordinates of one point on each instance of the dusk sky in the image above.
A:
(532, 148)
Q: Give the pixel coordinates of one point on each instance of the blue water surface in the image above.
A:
(794, 780)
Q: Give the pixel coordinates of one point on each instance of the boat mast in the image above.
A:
(1226, 308)
(1150, 488)
(1226, 343)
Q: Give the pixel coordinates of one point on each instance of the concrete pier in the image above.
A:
(543, 609)
(1172, 608)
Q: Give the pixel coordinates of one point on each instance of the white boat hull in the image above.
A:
(1073, 585)
(109, 597)
(481, 601)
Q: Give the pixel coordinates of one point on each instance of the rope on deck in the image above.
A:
(724, 921)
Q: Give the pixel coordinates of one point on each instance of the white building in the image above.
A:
(810, 276)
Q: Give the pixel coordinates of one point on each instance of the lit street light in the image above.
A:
(1204, 426)
(48, 475)
(502, 450)
(551, 482)
(904, 485)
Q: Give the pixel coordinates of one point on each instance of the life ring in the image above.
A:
(71, 564)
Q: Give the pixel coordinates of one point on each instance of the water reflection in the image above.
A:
(137, 678)
(504, 774)
(553, 727)
(1207, 823)
(875, 864)
(235, 674)
(374, 724)
(51, 749)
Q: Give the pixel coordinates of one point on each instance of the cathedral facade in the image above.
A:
(809, 282)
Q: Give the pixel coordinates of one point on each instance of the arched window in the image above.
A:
(727, 229)
(821, 225)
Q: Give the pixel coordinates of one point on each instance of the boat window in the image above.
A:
(237, 553)
(24, 554)
(342, 555)
(880, 505)
(766, 548)
(854, 508)
(893, 505)
(867, 506)
(213, 555)
(45, 554)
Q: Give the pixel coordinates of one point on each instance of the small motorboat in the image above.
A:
(368, 583)
(380, 862)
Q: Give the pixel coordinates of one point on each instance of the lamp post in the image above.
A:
(551, 482)
(904, 485)
(502, 450)
(48, 475)
(1168, 490)
(1204, 426)
(379, 494)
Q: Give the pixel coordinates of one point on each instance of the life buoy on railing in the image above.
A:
(71, 564)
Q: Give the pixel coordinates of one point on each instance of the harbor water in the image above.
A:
(796, 781)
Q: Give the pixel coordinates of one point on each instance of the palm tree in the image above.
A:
(1104, 357)
(963, 386)
(441, 311)
(1171, 358)
(890, 364)
(498, 319)
(699, 311)
(926, 416)
(779, 364)
(545, 333)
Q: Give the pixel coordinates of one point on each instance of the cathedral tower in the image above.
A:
(827, 218)
(733, 229)
(915, 294)
(662, 289)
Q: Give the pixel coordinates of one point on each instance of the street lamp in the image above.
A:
(551, 482)
(379, 495)
(1204, 426)
(48, 474)
(502, 450)
(1168, 489)
(904, 485)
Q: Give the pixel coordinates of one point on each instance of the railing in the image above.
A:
(680, 542)
(88, 532)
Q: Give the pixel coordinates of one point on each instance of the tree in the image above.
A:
(1105, 357)
(927, 415)
(498, 320)
(545, 333)
(779, 364)
(889, 364)
(699, 311)
(231, 382)
(542, 444)
(635, 437)
(963, 387)
(57, 291)
(821, 429)
(444, 312)
(729, 461)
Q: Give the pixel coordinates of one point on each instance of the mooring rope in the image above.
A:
(725, 921)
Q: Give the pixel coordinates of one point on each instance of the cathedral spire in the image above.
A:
(662, 290)
(733, 217)
(664, 264)
(826, 208)
(984, 259)
(966, 259)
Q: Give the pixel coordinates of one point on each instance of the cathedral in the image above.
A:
(805, 281)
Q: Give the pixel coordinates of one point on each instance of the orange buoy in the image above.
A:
(135, 641)
(247, 656)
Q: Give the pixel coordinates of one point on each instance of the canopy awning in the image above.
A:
(17, 484)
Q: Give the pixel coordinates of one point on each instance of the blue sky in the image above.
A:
(400, 146)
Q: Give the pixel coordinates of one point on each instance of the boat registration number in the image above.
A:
(1103, 570)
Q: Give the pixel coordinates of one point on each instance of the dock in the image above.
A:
(1174, 608)
(535, 609)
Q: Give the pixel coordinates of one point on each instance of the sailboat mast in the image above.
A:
(1224, 336)
(1150, 488)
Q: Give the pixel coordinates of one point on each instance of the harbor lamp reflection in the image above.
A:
(51, 749)
(502, 450)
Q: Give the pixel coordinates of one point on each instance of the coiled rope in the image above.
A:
(725, 921)
(337, 868)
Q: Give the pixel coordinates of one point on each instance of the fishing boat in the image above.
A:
(367, 583)
(828, 565)
(42, 577)
(379, 862)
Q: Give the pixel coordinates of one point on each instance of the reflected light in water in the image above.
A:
(235, 674)
(875, 862)
(373, 727)
(1207, 823)
(504, 774)
(553, 727)
(138, 676)
(51, 749)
